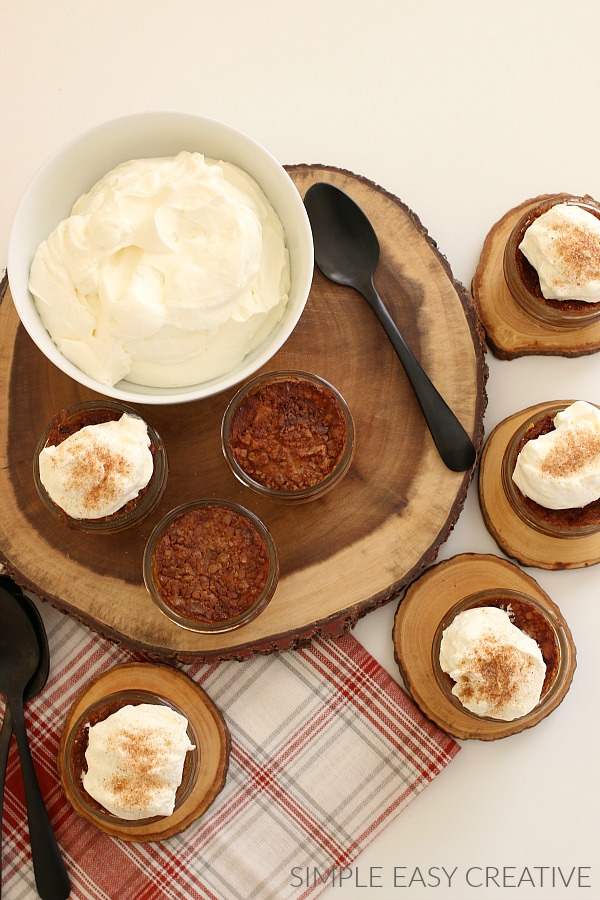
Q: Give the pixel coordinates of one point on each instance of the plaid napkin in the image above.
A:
(326, 751)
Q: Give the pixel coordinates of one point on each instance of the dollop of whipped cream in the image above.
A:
(167, 273)
(498, 670)
(563, 246)
(561, 469)
(98, 469)
(135, 760)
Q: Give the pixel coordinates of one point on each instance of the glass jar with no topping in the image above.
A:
(532, 617)
(211, 566)
(555, 523)
(93, 412)
(522, 279)
(288, 436)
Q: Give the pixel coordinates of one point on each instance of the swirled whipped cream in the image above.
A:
(563, 246)
(561, 469)
(98, 469)
(167, 273)
(135, 760)
(498, 670)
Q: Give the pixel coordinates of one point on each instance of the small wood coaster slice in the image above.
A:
(206, 721)
(510, 331)
(425, 604)
(514, 536)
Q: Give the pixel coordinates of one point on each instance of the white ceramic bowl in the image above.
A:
(80, 164)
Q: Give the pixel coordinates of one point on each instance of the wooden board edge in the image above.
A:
(337, 624)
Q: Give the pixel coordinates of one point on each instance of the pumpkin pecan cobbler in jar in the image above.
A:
(551, 470)
(211, 566)
(288, 436)
(99, 467)
(552, 261)
(500, 654)
(131, 756)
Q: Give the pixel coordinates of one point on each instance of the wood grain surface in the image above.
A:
(342, 555)
(510, 331)
(207, 724)
(425, 604)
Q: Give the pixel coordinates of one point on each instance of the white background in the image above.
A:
(462, 109)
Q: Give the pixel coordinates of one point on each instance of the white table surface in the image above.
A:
(462, 109)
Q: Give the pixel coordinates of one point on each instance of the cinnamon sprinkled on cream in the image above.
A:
(571, 453)
(498, 670)
(137, 789)
(578, 248)
(135, 760)
(495, 675)
(560, 469)
(98, 469)
(563, 246)
(97, 475)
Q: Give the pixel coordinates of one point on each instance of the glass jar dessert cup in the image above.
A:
(252, 560)
(534, 618)
(205, 769)
(76, 743)
(289, 463)
(430, 603)
(133, 512)
(522, 279)
(532, 542)
(563, 524)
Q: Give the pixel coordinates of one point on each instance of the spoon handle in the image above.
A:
(51, 876)
(5, 736)
(452, 441)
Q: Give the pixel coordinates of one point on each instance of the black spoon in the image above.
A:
(347, 252)
(19, 659)
(34, 685)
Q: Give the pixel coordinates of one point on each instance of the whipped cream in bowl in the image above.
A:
(98, 466)
(161, 258)
(167, 273)
(551, 469)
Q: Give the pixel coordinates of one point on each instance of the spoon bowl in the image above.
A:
(40, 676)
(347, 252)
(22, 667)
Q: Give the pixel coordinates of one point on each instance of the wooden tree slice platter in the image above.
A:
(514, 536)
(425, 604)
(342, 555)
(206, 722)
(510, 331)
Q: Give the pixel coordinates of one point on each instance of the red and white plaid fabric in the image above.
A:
(326, 750)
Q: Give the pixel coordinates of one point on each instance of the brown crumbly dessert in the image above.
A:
(571, 456)
(288, 435)
(210, 564)
(578, 253)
